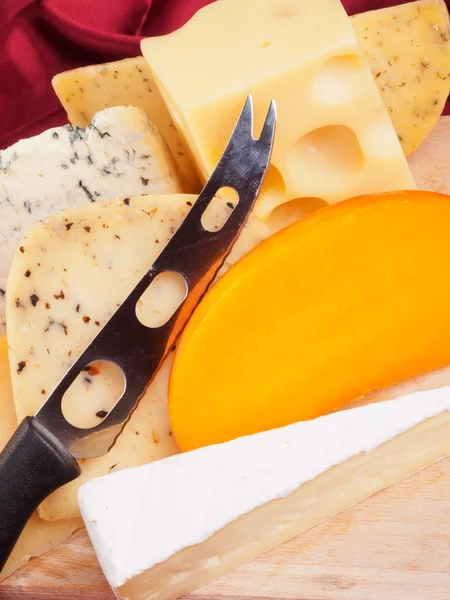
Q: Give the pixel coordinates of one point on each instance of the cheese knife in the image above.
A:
(41, 455)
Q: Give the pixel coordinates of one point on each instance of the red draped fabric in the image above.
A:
(39, 38)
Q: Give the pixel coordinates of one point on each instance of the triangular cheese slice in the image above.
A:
(162, 529)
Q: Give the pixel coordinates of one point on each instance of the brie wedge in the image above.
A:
(162, 529)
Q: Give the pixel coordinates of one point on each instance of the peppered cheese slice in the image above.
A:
(71, 274)
(244, 497)
(334, 137)
(38, 536)
(120, 154)
(129, 82)
(408, 49)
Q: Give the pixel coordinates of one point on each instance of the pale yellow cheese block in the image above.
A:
(414, 95)
(85, 91)
(38, 536)
(334, 138)
(80, 274)
(408, 50)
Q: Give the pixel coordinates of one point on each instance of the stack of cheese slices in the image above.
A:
(261, 410)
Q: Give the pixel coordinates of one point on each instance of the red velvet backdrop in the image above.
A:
(39, 38)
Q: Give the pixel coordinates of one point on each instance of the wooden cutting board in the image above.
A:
(393, 546)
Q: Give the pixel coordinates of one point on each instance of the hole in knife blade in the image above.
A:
(93, 394)
(161, 299)
(220, 208)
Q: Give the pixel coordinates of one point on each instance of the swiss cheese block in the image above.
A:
(38, 536)
(129, 82)
(353, 303)
(163, 529)
(334, 138)
(408, 49)
(120, 154)
(72, 273)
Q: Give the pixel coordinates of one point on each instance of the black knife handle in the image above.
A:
(33, 464)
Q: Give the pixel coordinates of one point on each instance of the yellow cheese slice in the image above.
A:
(82, 264)
(334, 137)
(85, 91)
(408, 49)
(38, 536)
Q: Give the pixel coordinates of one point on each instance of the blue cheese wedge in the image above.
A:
(119, 154)
(71, 273)
(129, 82)
(163, 529)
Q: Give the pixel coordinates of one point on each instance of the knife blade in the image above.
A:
(41, 455)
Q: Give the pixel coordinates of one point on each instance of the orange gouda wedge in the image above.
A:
(353, 298)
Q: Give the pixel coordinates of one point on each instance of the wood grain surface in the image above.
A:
(393, 546)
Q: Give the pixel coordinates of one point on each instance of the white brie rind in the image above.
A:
(162, 529)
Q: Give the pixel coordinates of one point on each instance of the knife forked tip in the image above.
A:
(273, 109)
(248, 103)
(268, 130)
(244, 126)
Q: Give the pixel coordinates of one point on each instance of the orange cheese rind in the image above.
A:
(347, 300)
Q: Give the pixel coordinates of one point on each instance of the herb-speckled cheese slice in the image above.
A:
(72, 273)
(120, 154)
(408, 49)
(38, 536)
(129, 82)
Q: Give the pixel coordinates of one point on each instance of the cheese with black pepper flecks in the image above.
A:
(67, 279)
(408, 50)
(119, 154)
